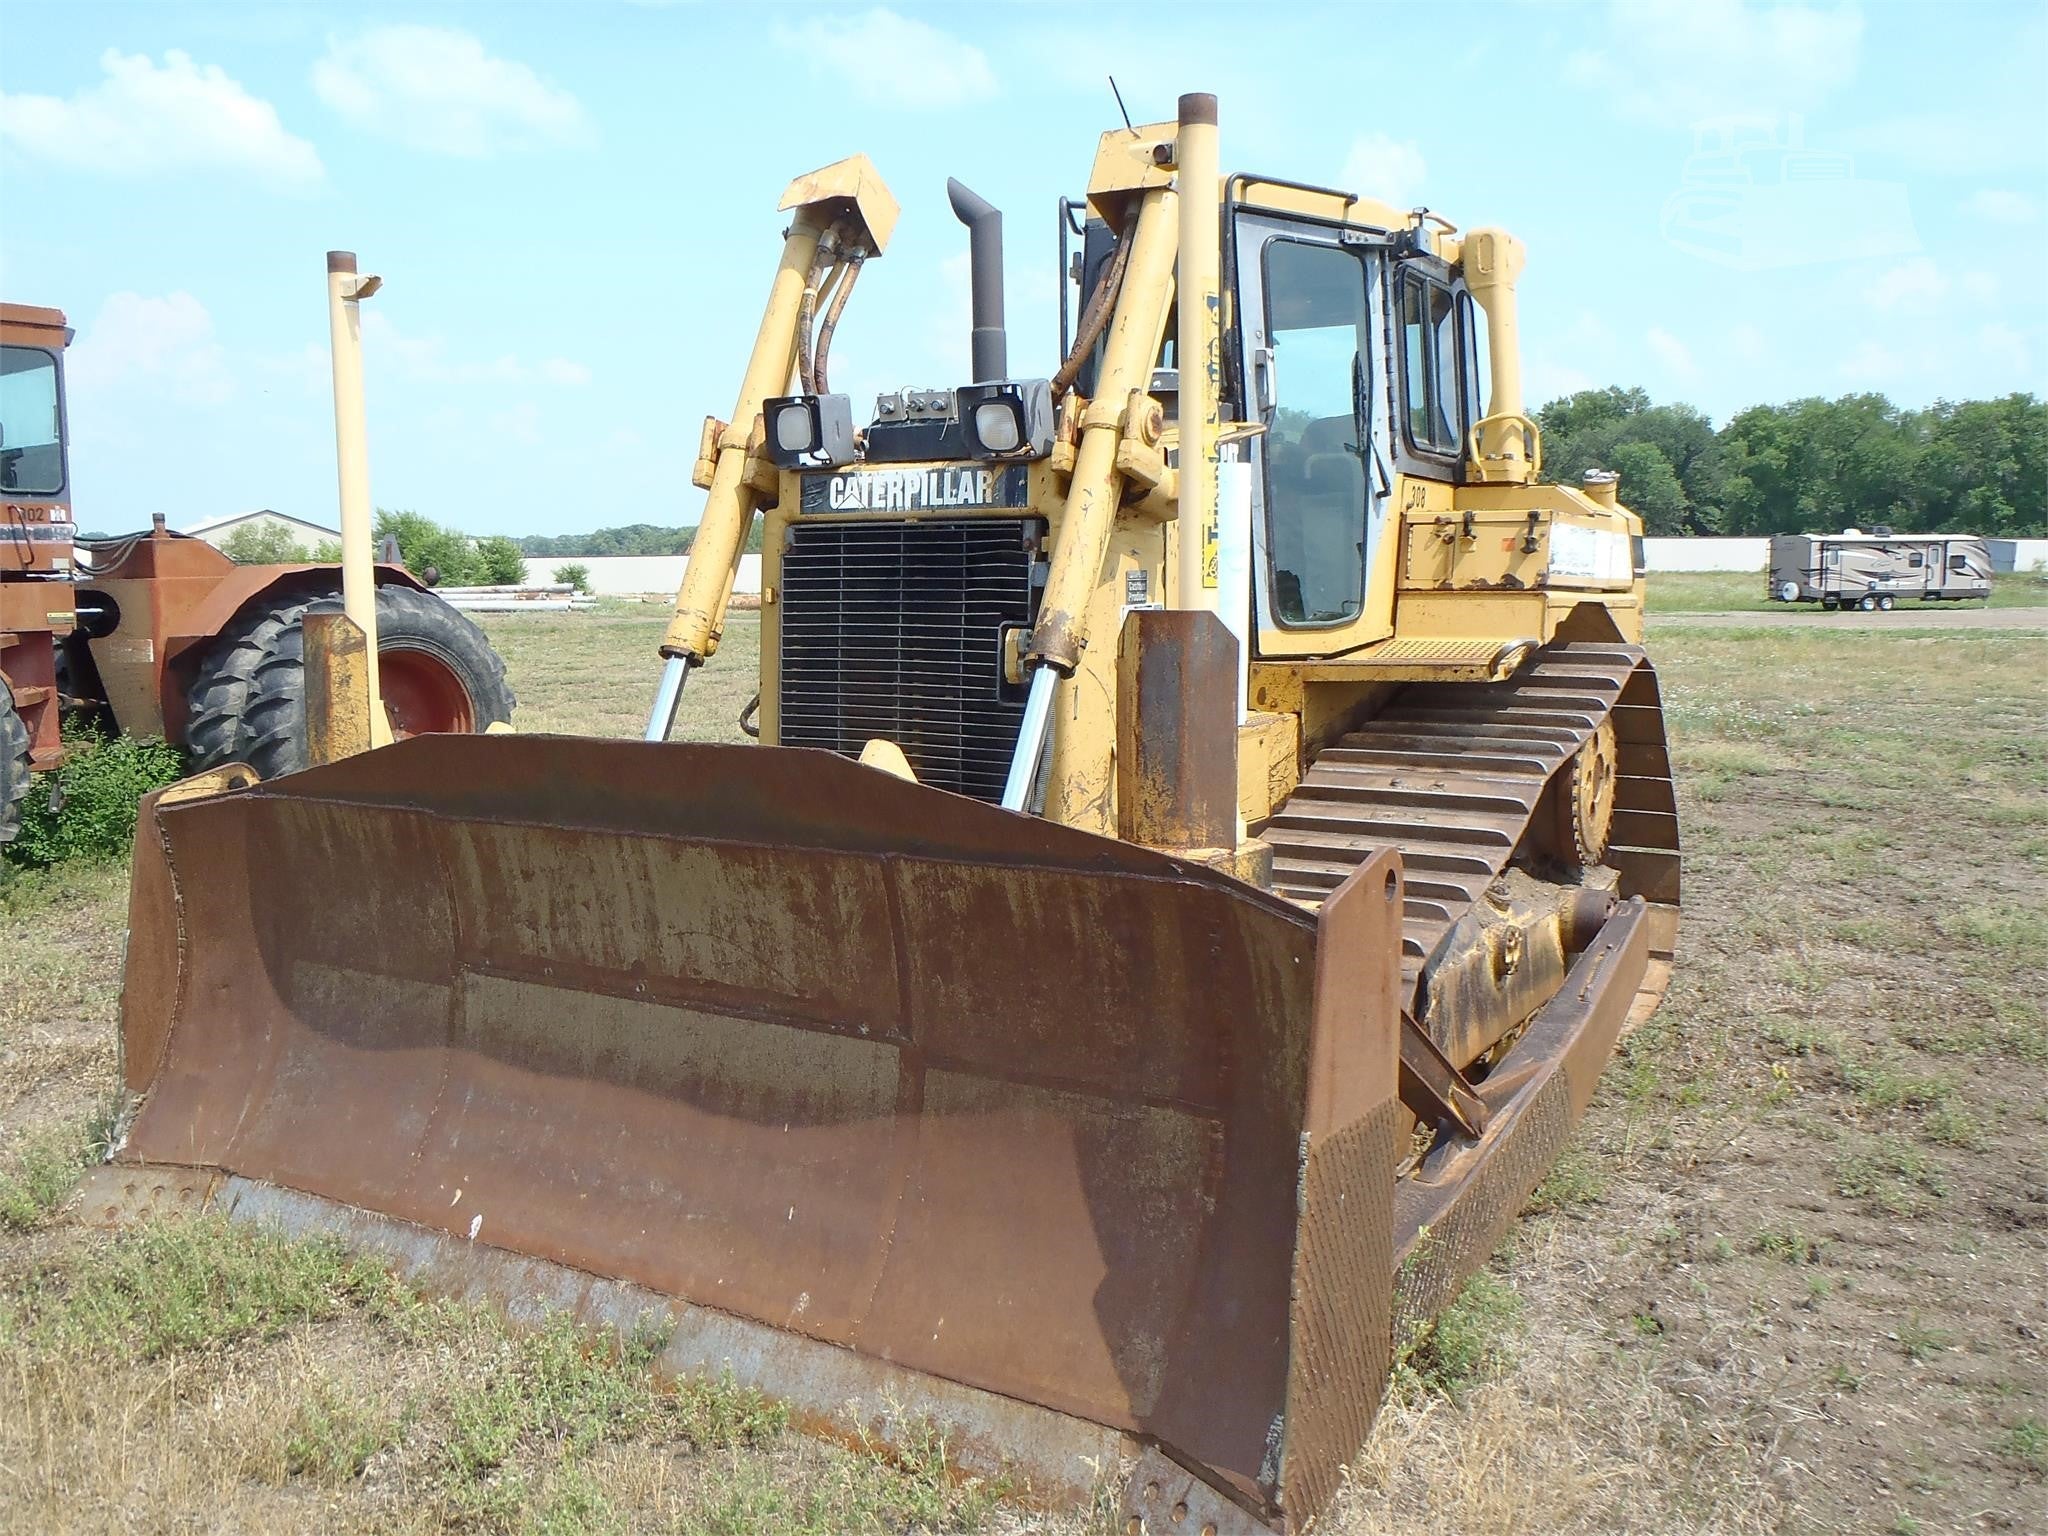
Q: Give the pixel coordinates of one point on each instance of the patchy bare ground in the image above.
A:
(1789, 1280)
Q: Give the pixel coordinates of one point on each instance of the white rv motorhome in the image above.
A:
(1866, 570)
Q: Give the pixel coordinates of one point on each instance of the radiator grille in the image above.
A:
(895, 629)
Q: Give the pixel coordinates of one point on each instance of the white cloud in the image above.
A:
(147, 118)
(435, 88)
(1872, 363)
(1980, 287)
(1384, 167)
(1544, 381)
(1997, 205)
(1674, 354)
(2003, 344)
(518, 424)
(1675, 62)
(165, 345)
(310, 370)
(1990, 134)
(887, 60)
(426, 359)
(1589, 337)
(1912, 286)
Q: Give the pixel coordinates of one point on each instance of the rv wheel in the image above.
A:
(1828, 605)
(1886, 603)
(1867, 604)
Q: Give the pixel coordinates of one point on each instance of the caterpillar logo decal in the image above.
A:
(962, 487)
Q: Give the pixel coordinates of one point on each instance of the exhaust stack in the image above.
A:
(984, 222)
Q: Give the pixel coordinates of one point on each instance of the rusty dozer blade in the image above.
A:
(874, 1089)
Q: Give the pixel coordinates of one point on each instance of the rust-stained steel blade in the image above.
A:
(979, 1097)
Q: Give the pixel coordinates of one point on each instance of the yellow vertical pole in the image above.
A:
(1198, 175)
(345, 291)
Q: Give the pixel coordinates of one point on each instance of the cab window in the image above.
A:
(1315, 467)
(31, 452)
(1435, 377)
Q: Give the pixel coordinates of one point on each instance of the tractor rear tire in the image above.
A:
(13, 766)
(219, 700)
(438, 673)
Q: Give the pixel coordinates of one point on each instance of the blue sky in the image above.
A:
(573, 207)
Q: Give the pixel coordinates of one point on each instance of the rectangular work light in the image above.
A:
(809, 431)
(1009, 420)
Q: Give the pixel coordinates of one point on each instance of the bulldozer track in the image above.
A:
(1453, 774)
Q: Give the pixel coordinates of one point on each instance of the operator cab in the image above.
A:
(1358, 352)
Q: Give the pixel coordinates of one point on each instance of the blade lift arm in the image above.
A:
(1136, 328)
(848, 203)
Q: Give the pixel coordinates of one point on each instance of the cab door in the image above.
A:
(1309, 302)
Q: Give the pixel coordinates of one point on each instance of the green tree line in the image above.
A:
(460, 559)
(439, 555)
(630, 539)
(275, 544)
(446, 558)
(1811, 466)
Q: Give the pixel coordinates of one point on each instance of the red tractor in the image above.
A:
(161, 634)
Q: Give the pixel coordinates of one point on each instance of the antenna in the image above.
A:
(1119, 95)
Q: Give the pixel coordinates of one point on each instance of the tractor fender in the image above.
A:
(193, 619)
(247, 584)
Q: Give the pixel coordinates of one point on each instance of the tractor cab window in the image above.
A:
(31, 446)
(1436, 382)
(1315, 459)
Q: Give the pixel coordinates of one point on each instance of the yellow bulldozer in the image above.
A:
(1210, 825)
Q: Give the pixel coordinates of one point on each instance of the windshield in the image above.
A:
(31, 449)
(1315, 470)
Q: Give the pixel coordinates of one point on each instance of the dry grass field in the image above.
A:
(1789, 1280)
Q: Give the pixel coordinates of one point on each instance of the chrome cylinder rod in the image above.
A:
(1030, 739)
(668, 698)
